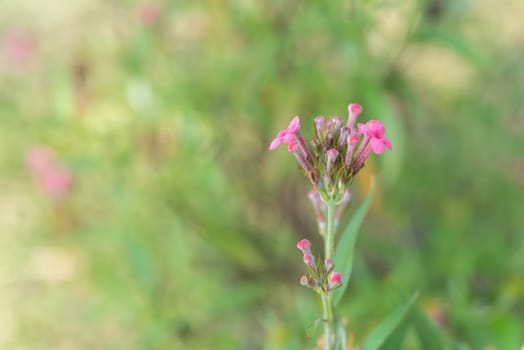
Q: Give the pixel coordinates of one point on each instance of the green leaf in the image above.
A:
(346, 245)
(396, 340)
(386, 329)
(428, 334)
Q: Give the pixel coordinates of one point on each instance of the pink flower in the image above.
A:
(148, 13)
(55, 181)
(18, 46)
(335, 279)
(374, 130)
(40, 159)
(52, 178)
(287, 135)
(305, 246)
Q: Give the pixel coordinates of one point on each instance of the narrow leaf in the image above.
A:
(346, 245)
(396, 340)
(386, 328)
(428, 334)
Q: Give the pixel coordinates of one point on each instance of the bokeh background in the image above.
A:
(141, 209)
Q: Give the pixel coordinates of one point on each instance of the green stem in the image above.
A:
(329, 238)
(329, 253)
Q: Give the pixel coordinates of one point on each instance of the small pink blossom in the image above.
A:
(18, 46)
(335, 279)
(55, 181)
(40, 159)
(148, 13)
(287, 135)
(304, 245)
(374, 130)
(52, 178)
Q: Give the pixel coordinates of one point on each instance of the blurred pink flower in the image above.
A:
(148, 13)
(52, 178)
(287, 135)
(305, 246)
(335, 279)
(40, 159)
(18, 46)
(56, 182)
(374, 130)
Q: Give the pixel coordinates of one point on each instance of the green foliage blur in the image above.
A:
(179, 228)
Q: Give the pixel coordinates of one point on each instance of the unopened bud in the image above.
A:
(320, 127)
(334, 280)
(354, 110)
(331, 158)
(336, 124)
(309, 260)
(305, 246)
(304, 281)
(344, 133)
(328, 264)
(353, 141)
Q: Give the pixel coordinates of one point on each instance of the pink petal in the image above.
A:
(376, 128)
(275, 143)
(355, 108)
(377, 146)
(292, 145)
(303, 244)
(294, 125)
(387, 143)
(335, 278)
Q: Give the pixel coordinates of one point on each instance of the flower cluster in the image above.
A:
(338, 151)
(321, 276)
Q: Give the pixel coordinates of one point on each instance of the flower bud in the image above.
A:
(331, 158)
(354, 110)
(344, 133)
(320, 127)
(309, 260)
(334, 280)
(336, 124)
(305, 246)
(328, 264)
(352, 140)
(304, 281)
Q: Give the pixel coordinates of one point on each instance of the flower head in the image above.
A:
(374, 130)
(336, 154)
(286, 135)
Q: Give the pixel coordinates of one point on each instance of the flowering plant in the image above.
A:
(331, 160)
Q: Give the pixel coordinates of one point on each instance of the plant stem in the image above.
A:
(329, 253)
(329, 238)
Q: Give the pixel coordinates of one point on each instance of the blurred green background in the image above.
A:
(169, 225)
